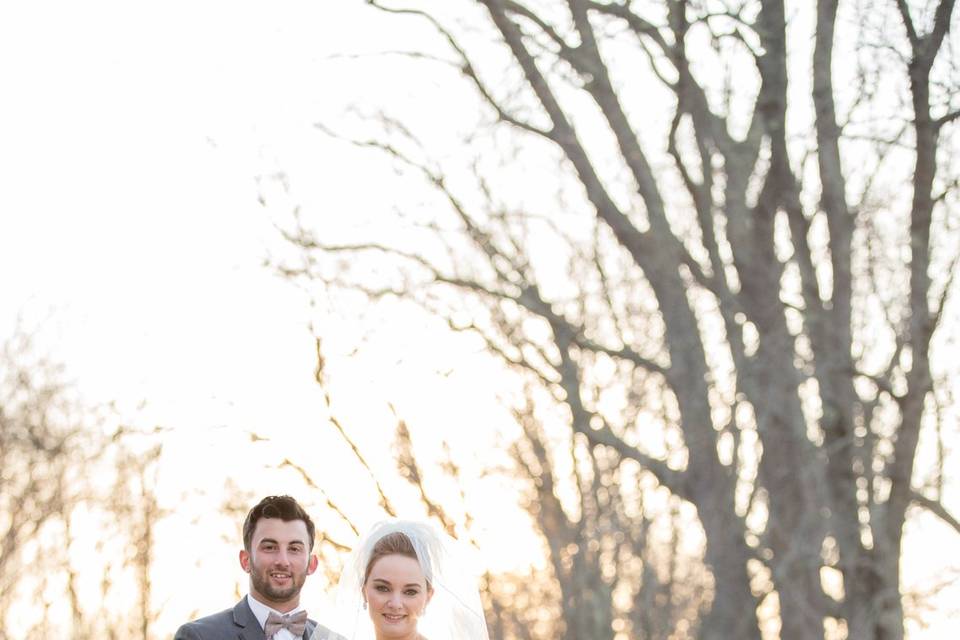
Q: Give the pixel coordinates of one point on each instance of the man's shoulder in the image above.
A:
(320, 632)
(207, 627)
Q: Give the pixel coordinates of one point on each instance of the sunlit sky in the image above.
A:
(132, 240)
(130, 165)
(131, 139)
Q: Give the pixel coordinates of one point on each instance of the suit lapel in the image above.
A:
(250, 629)
(247, 625)
(308, 631)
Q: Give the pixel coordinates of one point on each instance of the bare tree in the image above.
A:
(573, 593)
(66, 469)
(136, 511)
(756, 265)
(43, 453)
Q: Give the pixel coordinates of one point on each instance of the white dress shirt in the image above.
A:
(261, 611)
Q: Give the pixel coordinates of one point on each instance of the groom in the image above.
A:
(277, 553)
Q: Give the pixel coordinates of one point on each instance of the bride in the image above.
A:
(405, 581)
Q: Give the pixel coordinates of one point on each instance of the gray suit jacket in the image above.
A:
(238, 623)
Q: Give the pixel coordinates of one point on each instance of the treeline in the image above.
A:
(78, 508)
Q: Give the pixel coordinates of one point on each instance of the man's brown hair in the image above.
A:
(283, 507)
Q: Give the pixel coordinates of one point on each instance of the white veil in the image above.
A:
(454, 612)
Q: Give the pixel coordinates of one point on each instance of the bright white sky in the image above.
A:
(120, 209)
(131, 137)
(131, 134)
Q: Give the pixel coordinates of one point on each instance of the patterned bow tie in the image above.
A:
(295, 623)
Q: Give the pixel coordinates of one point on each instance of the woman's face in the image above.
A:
(396, 593)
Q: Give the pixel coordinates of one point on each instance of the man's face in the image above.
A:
(278, 562)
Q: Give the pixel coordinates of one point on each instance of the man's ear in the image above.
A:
(312, 565)
(245, 560)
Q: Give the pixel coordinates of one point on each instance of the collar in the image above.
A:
(261, 611)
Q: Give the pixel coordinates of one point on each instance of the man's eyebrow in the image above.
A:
(273, 541)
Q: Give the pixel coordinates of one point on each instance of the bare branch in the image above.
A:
(941, 24)
(467, 68)
(384, 502)
(948, 286)
(410, 470)
(937, 508)
(308, 480)
(908, 23)
(947, 118)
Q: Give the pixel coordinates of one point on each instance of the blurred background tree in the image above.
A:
(628, 551)
(703, 252)
(76, 487)
(715, 245)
